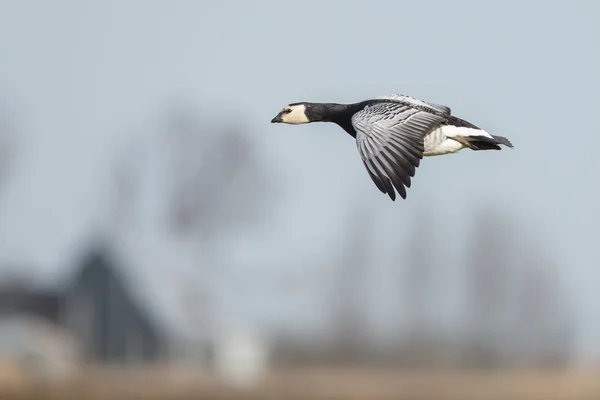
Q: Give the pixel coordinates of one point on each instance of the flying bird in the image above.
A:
(394, 132)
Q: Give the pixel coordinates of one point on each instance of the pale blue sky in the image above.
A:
(84, 79)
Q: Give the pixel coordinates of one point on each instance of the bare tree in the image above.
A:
(517, 306)
(419, 292)
(7, 148)
(541, 315)
(211, 187)
(215, 181)
(349, 320)
(420, 273)
(125, 188)
(490, 278)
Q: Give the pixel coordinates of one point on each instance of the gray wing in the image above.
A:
(418, 104)
(389, 137)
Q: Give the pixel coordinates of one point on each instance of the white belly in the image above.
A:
(437, 143)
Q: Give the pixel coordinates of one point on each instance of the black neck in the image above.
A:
(340, 114)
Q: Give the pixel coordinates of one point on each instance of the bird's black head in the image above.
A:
(304, 113)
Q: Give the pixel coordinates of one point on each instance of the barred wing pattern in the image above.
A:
(389, 137)
(418, 104)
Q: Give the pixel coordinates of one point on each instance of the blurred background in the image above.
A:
(159, 237)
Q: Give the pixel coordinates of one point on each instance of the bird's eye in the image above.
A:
(287, 111)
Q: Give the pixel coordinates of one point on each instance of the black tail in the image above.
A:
(478, 142)
(483, 142)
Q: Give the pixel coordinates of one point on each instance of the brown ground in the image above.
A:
(324, 383)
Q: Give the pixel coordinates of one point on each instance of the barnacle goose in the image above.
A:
(394, 132)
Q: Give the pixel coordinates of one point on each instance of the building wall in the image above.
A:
(111, 325)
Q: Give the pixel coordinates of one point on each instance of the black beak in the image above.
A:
(276, 119)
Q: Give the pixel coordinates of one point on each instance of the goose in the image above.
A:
(394, 132)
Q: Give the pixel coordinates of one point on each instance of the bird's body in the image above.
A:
(393, 133)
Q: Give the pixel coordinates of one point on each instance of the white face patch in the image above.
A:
(294, 115)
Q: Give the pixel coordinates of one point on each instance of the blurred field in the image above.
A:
(322, 383)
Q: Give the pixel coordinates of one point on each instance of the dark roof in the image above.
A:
(24, 300)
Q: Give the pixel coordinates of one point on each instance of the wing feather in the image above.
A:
(402, 98)
(389, 138)
(373, 174)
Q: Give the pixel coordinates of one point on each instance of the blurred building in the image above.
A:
(95, 309)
